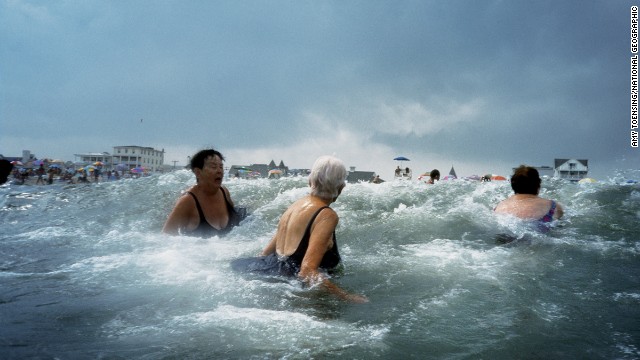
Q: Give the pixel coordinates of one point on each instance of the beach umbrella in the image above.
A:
(122, 167)
(54, 166)
(98, 163)
(138, 169)
(498, 178)
(89, 168)
(401, 159)
(275, 172)
(38, 162)
(17, 163)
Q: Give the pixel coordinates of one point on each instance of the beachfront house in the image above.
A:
(131, 156)
(125, 158)
(571, 169)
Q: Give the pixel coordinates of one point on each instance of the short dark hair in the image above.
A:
(197, 160)
(435, 174)
(525, 180)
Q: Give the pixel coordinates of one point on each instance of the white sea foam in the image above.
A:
(104, 277)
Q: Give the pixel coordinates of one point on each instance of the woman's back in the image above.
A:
(294, 223)
(524, 206)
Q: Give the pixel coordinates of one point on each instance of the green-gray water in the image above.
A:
(86, 273)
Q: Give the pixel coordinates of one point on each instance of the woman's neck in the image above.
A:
(525, 196)
(207, 190)
(315, 198)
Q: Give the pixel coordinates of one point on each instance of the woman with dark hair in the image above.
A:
(525, 203)
(206, 209)
(434, 176)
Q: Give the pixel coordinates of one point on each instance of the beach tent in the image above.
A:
(452, 173)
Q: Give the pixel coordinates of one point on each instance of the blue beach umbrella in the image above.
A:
(401, 158)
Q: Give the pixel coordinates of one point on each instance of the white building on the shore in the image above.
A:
(571, 169)
(126, 157)
(132, 156)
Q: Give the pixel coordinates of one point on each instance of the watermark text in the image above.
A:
(634, 75)
(634, 29)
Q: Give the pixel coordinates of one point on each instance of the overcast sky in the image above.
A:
(480, 85)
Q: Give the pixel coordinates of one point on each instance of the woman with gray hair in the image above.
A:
(304, 244)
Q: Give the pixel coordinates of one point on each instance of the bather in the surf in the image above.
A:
(304, 244)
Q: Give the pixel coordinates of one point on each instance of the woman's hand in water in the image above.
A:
(355, 298)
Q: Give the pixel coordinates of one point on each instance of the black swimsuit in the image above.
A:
(205, 229)
(273, 264)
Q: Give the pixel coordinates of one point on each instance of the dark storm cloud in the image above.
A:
(503, 80)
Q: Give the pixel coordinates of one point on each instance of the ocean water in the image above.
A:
(85, 273)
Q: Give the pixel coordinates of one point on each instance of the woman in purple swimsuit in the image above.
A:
(525, 203)
(206, 209)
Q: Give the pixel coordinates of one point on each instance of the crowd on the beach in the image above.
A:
(70, 175)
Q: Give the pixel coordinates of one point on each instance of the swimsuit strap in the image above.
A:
(298, 255)
(230, 208)
(200, 212)
(549, 216)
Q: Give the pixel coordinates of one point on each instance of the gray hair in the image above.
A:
(327, 177)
